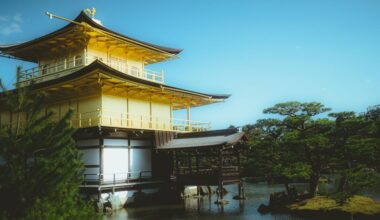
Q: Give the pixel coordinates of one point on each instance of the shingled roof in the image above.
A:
(98, 65)
(82, 17)
(216, 138)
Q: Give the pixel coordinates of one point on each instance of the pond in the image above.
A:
(204, 208)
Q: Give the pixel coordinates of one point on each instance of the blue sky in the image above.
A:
(261, 52)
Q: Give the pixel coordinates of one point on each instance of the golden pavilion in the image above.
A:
(123, 110)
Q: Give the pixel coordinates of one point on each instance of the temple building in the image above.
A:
(124, 112)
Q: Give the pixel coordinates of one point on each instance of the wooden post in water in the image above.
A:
(219, 199)
(197, 171)
(197, 161)
(240, 186)
(189, 161)
(177, 165)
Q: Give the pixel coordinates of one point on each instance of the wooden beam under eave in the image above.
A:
(146, 94)
(67, 86)
(133, 92)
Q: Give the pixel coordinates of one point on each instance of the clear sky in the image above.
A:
(261, 52)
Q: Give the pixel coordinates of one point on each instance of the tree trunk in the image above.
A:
(287, 188)
(313, 184)
(342, 183)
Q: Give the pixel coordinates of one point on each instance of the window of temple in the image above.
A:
(60, 64)
(45, 69)
(70, 62)
(134, 71)
(78, 60)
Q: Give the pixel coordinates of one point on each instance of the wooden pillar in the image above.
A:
(128, 116)
(171, 116)
(150, 112)
(240, 185)
(189, 161)
(101, 160)
(197, 161)
(177, 165)
(220, 178)
(197, 167)
(143, 75)
(129, 157)
(126, 60)
(188, 118)
(85, 60)
(174, 163)
(238, 161)
(99, 194)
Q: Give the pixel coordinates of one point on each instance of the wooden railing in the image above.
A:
(51, 71)
(207, 170)
(71, 64)
(115, 178)
(122, 66)
(206, 176)
(125, 120)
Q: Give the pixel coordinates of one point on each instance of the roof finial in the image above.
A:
(90, 12)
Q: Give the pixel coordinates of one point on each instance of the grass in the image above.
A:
(355, 205)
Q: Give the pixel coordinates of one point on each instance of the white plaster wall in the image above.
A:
(90, 156)
(141, 160)
(115, 160)
(161, 115)
(139, 110)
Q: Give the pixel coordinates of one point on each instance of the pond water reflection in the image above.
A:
(204, 208)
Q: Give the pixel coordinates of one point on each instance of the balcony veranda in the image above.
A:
(71, 64)
(124, 120)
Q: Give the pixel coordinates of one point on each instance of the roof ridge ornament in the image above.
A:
(91, 13)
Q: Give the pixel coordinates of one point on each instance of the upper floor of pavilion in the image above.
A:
(101, 76)
(80, 43)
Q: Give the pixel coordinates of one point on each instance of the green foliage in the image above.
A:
(41, 169)
(300, 144)
(355, 205)
(304, 135)
(294, 171)
(265, 152)
(353, 182)
(355, 154)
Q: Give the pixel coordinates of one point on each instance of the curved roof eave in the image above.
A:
(82, 17)
(109, 70)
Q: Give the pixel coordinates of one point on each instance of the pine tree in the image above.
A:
(307, 133)
(355, 144)
(40, 169)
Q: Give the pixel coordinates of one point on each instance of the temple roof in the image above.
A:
(90, 77)
(98, 65)
(16, 50)
(216, 138)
